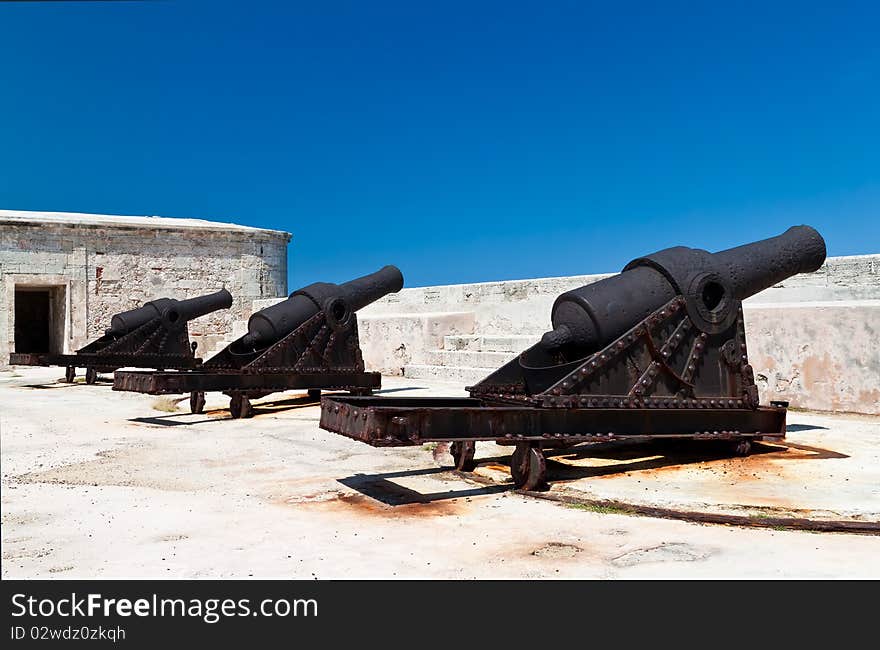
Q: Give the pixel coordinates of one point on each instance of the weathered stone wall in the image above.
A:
(817, 355)
(107, 269)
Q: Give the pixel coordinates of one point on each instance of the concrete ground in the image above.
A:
(101, 484)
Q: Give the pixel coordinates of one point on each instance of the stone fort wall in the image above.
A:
(105, 268)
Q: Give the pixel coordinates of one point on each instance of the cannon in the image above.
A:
(657, 351)
(171, 312)
(155, 335)
(308, 341)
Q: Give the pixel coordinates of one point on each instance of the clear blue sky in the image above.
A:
(462, 141)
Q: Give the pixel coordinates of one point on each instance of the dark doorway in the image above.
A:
(32, 320)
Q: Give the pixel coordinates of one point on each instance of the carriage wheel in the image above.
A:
(528, 467)
(240, 406)
(196, 401)
(235, 405)
(742, 447)
(463, 455)
(91, 375)
(70, 374)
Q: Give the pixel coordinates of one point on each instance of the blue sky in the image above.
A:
(462, 141)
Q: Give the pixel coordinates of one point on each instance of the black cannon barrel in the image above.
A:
(173, 311)
(273, 323)
(187, 310)
(759, 265)
(713, 285)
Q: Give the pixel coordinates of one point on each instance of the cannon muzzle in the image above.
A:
(186, 310)
(589, 317)
(173, 312)
(338, 301)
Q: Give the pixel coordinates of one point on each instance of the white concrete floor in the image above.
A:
(99, 484)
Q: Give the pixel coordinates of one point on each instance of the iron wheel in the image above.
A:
(196, 401)
(463, 455)
(528, 467)
(235, 405)
(742, 447)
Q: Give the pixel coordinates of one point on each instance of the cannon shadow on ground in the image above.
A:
(100, 381)
(261, 409)
(381, 488)
(628, 456)
(631, 456)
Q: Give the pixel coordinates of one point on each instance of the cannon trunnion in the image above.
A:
(155, 335)
(658, 351)
(308, 341)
